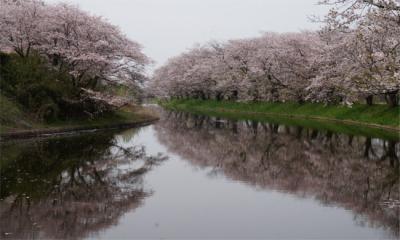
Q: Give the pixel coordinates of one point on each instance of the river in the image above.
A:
(194, 176)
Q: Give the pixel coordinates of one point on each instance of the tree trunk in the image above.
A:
(219, 96)
(202, 95)
(370, 100)
(393, 98)
(394, 161)
(235, 95)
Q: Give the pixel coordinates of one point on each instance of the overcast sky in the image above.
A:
(166, 28)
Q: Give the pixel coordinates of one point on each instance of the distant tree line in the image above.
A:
(355, 55)
(64, 57)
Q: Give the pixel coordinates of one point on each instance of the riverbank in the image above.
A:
(127, 117)
(377, 116)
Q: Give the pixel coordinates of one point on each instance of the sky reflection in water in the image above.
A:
(222, 179)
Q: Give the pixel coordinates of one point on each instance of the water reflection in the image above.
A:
(357, 173)
(80, 187)
(70, 187)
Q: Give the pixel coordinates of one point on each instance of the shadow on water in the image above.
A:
(357, 173)
(70, 187)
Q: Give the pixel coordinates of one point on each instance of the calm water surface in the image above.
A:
(201, 177)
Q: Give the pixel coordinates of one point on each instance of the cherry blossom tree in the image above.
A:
(369, 45)
(355, 55)
(89, 48)
(274, 67)
(21, 25)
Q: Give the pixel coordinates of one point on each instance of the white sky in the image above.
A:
(166, 28)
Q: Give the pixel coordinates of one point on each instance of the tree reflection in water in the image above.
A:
(357, 173)
(70, 187)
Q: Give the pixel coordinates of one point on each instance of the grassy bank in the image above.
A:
(378, 116)
(15, 123)
(35, 96)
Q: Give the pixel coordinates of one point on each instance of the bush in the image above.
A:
(40, 90)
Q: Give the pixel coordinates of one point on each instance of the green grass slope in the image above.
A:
(379, 115)
(376, 121)
(11, 115)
